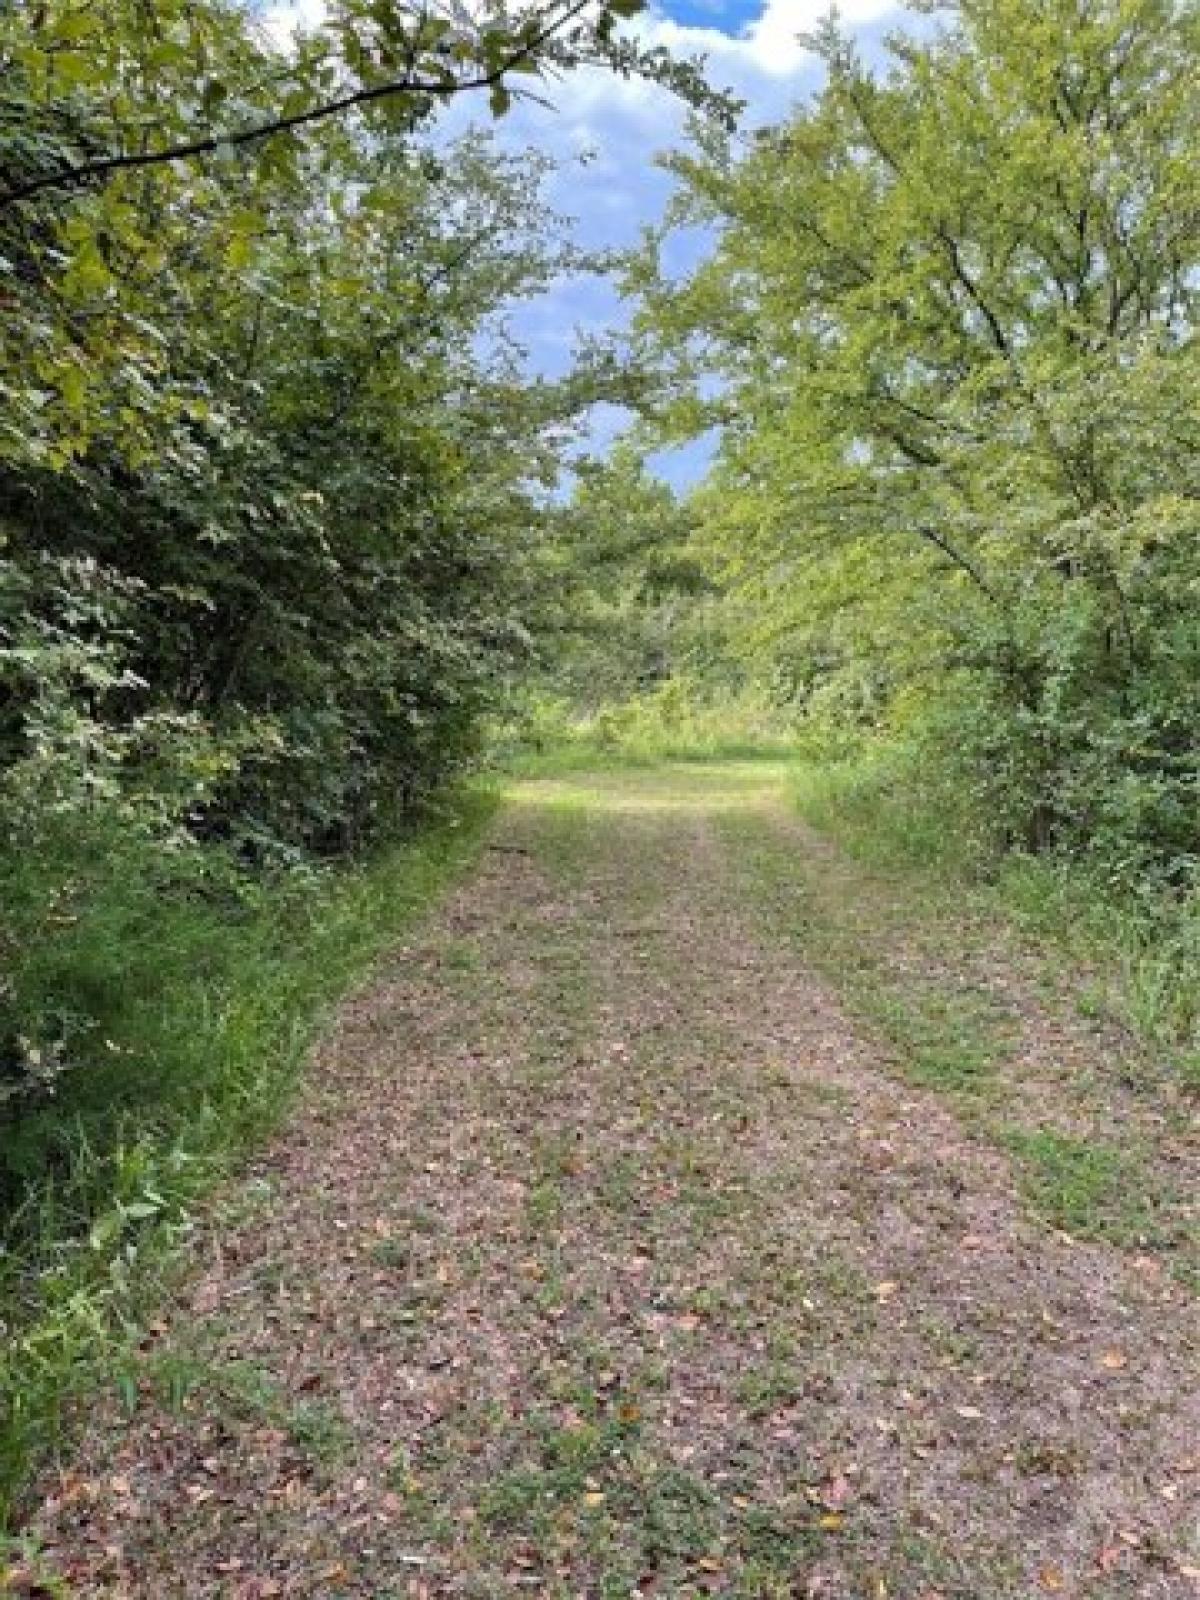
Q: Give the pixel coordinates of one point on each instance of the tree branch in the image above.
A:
(963, 563)
(106, 166)
(973, 290)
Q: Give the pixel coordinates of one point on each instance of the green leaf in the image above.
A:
(88, 273)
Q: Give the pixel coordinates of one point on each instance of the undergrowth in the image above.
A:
(1141, 937)
(184, 1018)
(669, 723)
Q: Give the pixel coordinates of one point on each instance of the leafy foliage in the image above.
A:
(952, 310)
(271, 477)
(643, 651)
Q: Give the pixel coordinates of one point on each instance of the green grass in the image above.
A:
(771, 1388)
(878, 816)
(585, 755)
(320, 1431)
(604, 1492)
(669, 723)
(200, 1004)
(1145, 948)
(948, 1041)
(911, 946)
(1087, 1188)
(944, 1036)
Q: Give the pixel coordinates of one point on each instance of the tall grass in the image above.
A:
(888, 812)
(182, 1001)
(670, 723)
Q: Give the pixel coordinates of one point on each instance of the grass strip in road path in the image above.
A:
(1105, 1142)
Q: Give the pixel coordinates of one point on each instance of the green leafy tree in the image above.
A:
(272, 475)
(953, 311)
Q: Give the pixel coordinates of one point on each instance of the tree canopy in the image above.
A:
(952, 310)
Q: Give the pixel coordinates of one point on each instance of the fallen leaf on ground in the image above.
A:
(1110, 1557)
(835, 1494)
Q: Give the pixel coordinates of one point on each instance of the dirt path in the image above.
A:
(607, 1257)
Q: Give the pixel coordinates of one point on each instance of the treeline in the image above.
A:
(956, 509)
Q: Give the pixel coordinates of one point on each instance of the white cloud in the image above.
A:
(774, 37)
(284, 19)
(769, 46)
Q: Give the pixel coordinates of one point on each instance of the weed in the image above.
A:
(544, 1206)
(320, 1431)
(771, 1388)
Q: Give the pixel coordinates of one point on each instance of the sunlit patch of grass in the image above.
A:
(1089, 1189)
(700, 787)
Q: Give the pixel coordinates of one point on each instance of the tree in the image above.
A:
(401, 60)
(272, 477)
(953, 312)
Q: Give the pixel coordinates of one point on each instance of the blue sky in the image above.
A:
(728, 14)
(751, 47)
